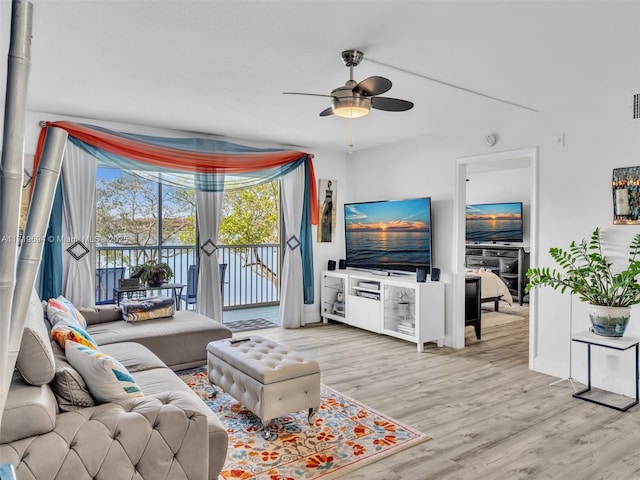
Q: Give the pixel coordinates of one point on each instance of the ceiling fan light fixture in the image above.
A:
(351, 107)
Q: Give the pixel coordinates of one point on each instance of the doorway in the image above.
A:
(526, 161)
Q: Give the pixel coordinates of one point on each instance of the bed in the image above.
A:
(493, 289)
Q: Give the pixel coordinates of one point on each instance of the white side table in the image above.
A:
(618, 402)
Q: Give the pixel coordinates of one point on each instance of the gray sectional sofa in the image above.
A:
(51, 431)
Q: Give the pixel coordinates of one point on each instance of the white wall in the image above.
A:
(497, 186)
(574, 196)
(330, 166)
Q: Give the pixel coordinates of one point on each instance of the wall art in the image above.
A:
(327, 193)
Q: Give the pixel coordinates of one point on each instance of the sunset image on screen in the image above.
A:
(494, 222)
(388, 234)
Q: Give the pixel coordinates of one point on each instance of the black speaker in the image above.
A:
(435, 274)
(331, 265)
(342, 264)
(421, 275)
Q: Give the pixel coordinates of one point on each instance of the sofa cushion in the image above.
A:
(101, 313)
(179, 341)
(35, 359)
(30, 410)
(63, 331)
(160, 437)
(108, 380)
(68, 385)
(61, 309)
(134, 357)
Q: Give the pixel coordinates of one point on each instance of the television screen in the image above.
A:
(389, 235)
(494, 222)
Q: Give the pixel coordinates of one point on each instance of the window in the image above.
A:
(139, 220)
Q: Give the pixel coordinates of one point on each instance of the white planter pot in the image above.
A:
(609, 321)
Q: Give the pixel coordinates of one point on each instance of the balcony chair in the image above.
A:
(189, 298)
(106, 280)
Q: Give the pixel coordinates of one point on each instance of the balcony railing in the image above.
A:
(251, 278)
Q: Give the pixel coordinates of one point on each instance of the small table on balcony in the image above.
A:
(137, 292)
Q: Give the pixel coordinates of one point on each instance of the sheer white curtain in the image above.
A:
(292, 296)
(208, 299)
(78, 226)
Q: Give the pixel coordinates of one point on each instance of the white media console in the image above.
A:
(398, 306)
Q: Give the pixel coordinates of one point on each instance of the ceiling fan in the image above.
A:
(355, 99)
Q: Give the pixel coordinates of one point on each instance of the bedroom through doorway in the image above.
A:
(496, 238)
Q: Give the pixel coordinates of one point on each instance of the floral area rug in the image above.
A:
(344, 435)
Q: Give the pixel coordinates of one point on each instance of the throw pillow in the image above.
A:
(107, 379)
(63, 331)
(147, 308)
(60, 308)
(68, 386)
(35, 358)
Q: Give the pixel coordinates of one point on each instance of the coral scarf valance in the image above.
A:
(213, 164)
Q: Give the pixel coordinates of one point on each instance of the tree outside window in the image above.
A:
(128, 215)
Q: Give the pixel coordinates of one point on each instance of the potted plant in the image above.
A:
(151, 273)
(587, 273)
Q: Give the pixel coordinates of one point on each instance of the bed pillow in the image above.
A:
(61, 309)
(62, 332)
(107, 379)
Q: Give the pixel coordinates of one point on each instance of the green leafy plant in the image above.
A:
(587, 273)
(152, 272)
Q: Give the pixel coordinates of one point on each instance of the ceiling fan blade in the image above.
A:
(373, 86)
(310, 94)
(326, 112)
(391, 104)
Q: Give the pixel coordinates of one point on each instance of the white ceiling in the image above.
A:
(220, 67)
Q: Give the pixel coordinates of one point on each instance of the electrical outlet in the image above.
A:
(560, 140)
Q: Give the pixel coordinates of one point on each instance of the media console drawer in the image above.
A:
(500, 253)
(509, 265)
(479, 261)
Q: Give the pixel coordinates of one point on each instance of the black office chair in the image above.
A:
(190, 297)
(106, 280)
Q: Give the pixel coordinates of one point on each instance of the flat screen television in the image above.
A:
(494, 222)
(393, 235)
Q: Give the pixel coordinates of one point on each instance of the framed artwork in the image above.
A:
(626, 196)
(327, 190)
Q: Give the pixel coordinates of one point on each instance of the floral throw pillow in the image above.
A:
(62, 332)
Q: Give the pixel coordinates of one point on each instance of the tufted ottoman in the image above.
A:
(269, 379)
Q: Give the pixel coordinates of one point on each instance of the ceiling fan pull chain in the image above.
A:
(350, 135)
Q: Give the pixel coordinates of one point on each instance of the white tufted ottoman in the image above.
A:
(269, 379)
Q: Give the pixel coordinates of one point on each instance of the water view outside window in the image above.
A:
(138, 220)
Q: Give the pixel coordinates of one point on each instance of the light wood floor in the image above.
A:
(489, 416)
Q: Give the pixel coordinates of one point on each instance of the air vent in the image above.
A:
(636, 106)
